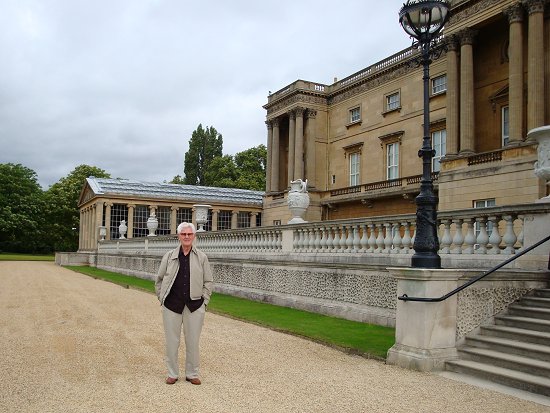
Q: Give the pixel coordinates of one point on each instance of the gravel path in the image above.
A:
(70, 343)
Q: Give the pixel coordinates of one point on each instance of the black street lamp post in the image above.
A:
(423, 20)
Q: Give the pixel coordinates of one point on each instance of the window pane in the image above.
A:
(224, 220)
(163, 217)
(505, 125)
(119, 212)
(392, 101)
(355, 115)
(392, 161)
(354, 169)
(439, 143)
(439, 84)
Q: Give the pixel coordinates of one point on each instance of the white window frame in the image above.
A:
(354, 168)
(505, 124)
(355, 114)
(393, 104)
(439, 143)
(439, 84)
(392, 160)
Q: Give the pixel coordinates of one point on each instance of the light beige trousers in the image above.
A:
(192, 325)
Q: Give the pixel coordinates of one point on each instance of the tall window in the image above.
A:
(119, 212)
(224, 220)
(392, 101)
(505, 127)
(355, 115)
(354, 169)
(392, 163)
(439, 84)
(140, 221)
(439, 143)
(184, 215)
(243, 219)
(163, 217)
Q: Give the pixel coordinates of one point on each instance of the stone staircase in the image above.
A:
(515, 351)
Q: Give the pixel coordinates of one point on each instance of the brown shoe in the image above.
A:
(171, 380)
(195, 380)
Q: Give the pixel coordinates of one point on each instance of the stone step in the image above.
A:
(542, 292)
(523, 322)
(531, 301)
(517, 379)
(525, 311)
(515, 333)
(535, 351)
(505, 360)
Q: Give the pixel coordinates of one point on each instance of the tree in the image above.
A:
(63, 215)
(204, 146)
(21, 210)
(222, 172)
(251, 165)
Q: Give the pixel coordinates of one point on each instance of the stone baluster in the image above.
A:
(470, 238)
(458, 238)
(406, 240)
(379, 239)
(302, 242)
(317, 242)
(363, 242)
(396, 238)
(323, 243)
(446, 239)
(310, 240)
(356, 244)
(372, 238)
(349, 239)
(482, 237)
(388, 238)
(335, 241)
(509, 235)
(494, 238)
(342, 246)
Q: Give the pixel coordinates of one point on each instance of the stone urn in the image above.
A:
(102, 233)
(542, 165)
(201, 216)
(122, 228)
(298, 201)
(152, 225)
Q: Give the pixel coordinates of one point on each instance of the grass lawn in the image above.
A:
(360, 338)
(25, 257)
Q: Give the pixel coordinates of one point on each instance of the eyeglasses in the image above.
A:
(186, 234)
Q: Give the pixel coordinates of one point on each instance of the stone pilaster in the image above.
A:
(535, 62)
(108, 219)
(98, 221)
(173, 220)
(275, 158)
(299, 146)
(311, 156)
(234, 216)
(81, 230)
(467, 106)
(253, 216)
(453, 93)
(130, 225)
(515, 19)
(215, 213)
(268, 166)
(291, 145)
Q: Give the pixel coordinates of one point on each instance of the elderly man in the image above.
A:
(183, 287)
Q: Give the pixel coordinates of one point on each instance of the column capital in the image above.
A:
(452, 43)
(131, 205)
(514, 13)
(300, 111)
(311, 113)
(291, 114)
(467, 36)
(534, 6)
(268, 124)
(275, 122)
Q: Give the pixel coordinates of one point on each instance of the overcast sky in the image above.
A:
(122, 84)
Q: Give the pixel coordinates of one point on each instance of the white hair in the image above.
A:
(186, 225)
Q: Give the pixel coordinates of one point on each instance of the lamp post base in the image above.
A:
(425, 260)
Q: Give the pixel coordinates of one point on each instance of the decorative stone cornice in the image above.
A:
(292, 99)
(459, 13)
(514, 13)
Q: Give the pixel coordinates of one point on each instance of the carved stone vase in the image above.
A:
(298, 201)
(201, 216)
(122, 228)
(542, 165)
(152, 225)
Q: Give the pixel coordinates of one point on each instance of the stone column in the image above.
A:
(311, 156)
(535, 62)
(299, 147)
(88, 225)
(130, 225)
(453, 103)
(253, 216)
(268, 166)
(547, 63)
(98, 221)
(108, 220)
(467, 106)
(515, 19)
(173, 220)
(291, 145)
(275, 151)
(81, 230)
(234, 216)
(215, 213)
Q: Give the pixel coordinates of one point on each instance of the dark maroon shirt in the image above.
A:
(179, 295)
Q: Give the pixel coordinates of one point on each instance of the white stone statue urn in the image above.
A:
(102, 232)
(542, 165)
(201, 216)
(298, 200)
(122, 228)
(152, 225)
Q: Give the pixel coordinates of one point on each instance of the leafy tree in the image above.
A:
(21, 210)
(222, 172)
(63, 215)
(204, 146)
(251, 165)
(177, 180)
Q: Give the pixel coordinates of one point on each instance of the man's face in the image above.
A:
(186, 237)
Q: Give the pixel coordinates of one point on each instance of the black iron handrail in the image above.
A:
(405, 297)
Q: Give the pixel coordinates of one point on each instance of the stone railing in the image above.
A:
(483, 234)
